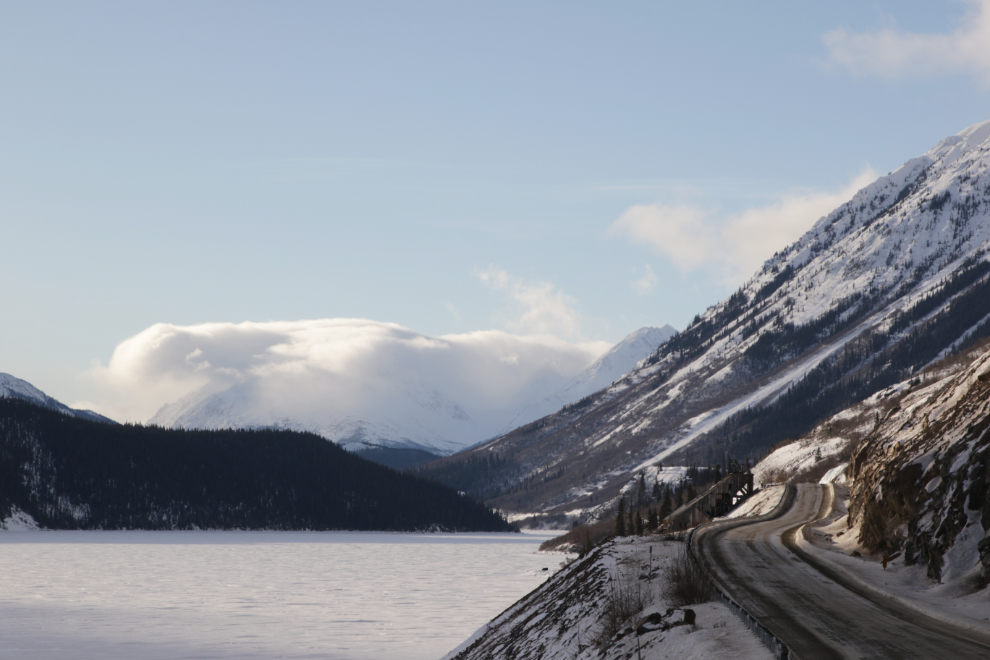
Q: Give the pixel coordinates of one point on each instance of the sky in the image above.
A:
(572, 171)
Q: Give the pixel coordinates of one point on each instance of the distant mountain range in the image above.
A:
(887, 283)
(424, 418)
(21, 389)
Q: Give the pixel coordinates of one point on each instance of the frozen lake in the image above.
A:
(347, 595)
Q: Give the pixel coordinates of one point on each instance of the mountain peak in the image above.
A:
(13, 387)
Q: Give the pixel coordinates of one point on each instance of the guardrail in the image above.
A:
(771, 641)
(765, 635)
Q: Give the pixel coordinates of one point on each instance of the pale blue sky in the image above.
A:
(446, 166)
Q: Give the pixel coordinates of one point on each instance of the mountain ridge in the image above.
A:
(11, 386)
(888, 282)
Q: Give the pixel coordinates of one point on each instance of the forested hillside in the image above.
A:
(72, 473)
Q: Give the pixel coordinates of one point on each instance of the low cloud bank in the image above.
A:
(340, 377)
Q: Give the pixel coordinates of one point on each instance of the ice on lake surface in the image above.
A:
(347, 595)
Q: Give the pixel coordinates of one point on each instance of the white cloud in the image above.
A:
(331, 374)
(647, 282)
(536, 308)
(892, 53)
(736, 245)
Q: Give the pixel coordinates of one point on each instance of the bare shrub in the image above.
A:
(684, 582)
(625, 598)
(773, 476)
(582, 538)
(814, 473)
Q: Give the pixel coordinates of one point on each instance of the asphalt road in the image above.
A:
(816, 612)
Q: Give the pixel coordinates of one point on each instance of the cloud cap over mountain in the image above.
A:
(344, 378)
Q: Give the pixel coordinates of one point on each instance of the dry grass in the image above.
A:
(625, 599)
(814, 473)
(582, 538)
(684, 582)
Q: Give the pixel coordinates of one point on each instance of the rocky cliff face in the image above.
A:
(922, 476)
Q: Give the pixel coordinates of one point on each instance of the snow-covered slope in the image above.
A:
(576, 615)
(408, 417)
(615, 363)
(442, 404)
(885, 284)
(21, 389)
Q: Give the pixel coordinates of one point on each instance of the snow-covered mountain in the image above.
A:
(21, 389)
(440, 405)
(888, 282)
(615, 363)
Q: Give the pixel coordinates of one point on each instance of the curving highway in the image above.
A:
(816, 612)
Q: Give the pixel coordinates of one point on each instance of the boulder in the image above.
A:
(650, 623)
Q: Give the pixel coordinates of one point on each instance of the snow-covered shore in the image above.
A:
(563, 618)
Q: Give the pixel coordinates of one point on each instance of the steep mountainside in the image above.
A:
(21, 389)
(373, 413)
(71, 473)
(885, 284)
(615, 363)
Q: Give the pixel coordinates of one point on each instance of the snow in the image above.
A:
(957, 599)
(964, 555)
(254, 595)
(796, 456)
(15, 387)
(759, 503)
(835, 475)
(18, 521)
(549, 625)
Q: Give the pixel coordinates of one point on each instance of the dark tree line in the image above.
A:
(483, 477)
(73, 473)
(649, 507)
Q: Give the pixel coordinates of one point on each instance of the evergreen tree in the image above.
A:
(641, 491)
(665, 508)
(148, 477)
(620, 518)
(639, 523)
(654, 522)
